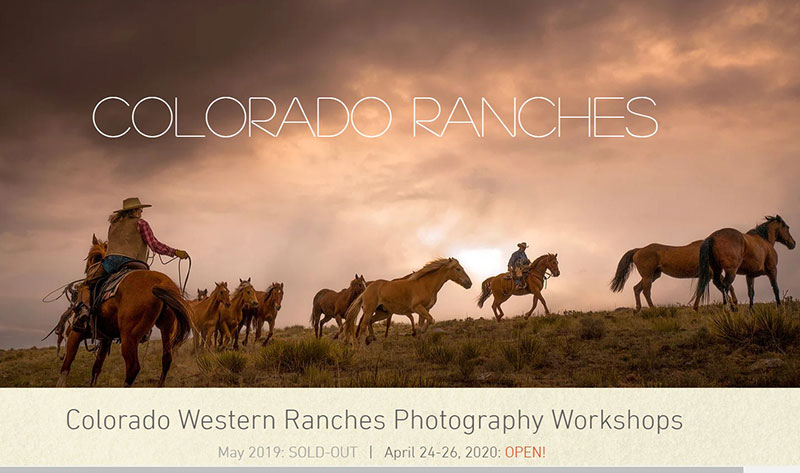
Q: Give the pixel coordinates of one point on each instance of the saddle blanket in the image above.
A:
(111, 285)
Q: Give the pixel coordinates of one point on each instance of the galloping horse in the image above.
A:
(503, 287)
(751, 254)
(205, 313)
(680, 262)
(144, 299)
(415, 293)
(244, 298)
(334, 304)
(269, 303)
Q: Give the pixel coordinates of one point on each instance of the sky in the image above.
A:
(312, 212)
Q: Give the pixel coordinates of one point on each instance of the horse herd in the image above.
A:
(147, 299)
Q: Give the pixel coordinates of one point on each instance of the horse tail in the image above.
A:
(174, 301)
(624, 268)
(314, 319)
(704, 269)
(486, 291)
(351, 315)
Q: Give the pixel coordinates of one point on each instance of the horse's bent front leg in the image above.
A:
(100, 358)
(71, 350)
(773, 280)
(533, 307)
(423, 312)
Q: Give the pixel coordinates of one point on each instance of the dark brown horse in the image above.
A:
(502, 287)
(333, 305)
(269, 303)
(654, 259)
(143, 300)
(728, 252)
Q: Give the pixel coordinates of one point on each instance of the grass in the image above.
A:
(669, 346)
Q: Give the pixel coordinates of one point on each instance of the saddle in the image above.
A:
(108, 288)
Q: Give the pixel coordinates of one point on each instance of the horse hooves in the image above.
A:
(369, 340)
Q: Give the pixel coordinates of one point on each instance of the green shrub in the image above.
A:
(233, 361)
(298, 355)
(467, 359)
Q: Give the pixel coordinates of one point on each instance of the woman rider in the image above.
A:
(129, 237)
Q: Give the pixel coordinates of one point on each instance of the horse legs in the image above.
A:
(271, 323)
(322, 321)
(166, 354)
(389, 324)
(71, 350)
(246, 331)
(751, 292)
(533, 307)
(773, 280)
(727, 283)
(647, 284)
(637, 293)
(258, 325)
(423, 312)
(130, 353)
(99, 359)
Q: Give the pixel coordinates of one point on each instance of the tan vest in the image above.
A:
(124, 239)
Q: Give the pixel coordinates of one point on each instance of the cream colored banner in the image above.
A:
(256, 427)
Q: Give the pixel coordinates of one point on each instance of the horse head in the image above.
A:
(202, 294)
(247, 293)
(96, 253)
(275, 295)
(358, 284)
(551, 263)
(778, 225)
(222, 294)
(456, 273)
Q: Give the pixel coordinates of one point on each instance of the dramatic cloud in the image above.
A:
(311, 212)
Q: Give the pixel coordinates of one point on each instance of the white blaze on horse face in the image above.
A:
(481, 262)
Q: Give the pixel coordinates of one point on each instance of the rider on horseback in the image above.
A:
(518, 260)
(129, 237)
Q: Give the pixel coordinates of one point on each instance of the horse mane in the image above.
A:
(429, 267)
(762, 229)
(96, 251)
(240, 288)
(540, 258)
(270, 290)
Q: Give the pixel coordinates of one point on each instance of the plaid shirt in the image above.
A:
(147, 235)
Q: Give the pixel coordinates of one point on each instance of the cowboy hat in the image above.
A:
(132, 203)
(522, 245)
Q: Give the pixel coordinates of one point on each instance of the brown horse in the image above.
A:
(205, 314)
(728, 252)
(334, 304)
(502, 287)
(201, 294)
(651, 261)
(243, 298)
(269, 303)
(144, 299)
(415, 293)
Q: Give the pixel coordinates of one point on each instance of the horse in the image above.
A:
(205, 313)
(244, 298)
(415, 293)
(334, 304)
(201, 294)
(651, 261)
(751, 254)
(502, 287)
(144, 299)
(269, 303)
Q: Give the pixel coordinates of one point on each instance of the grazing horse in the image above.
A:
(205, 314)
(651, 261)
(334, 304)
(415, 293)
(244, 298)
(502, 287)
(269, 303)
(728, 252)
(144, 299)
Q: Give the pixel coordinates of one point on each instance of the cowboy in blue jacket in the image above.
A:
(517, 261)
